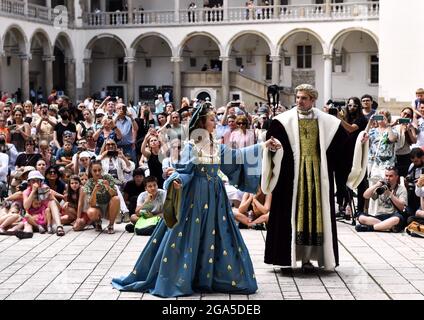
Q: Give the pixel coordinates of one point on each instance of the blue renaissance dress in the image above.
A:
(204, 251)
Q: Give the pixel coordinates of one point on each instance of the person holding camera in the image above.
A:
(406, 126)
(128, 128)
(144, 121)
(382, 141)
(107, 131)
(85, 125)
(46, 124)
(414, 172)
(391, 201)
(114, 161)
(20, 131)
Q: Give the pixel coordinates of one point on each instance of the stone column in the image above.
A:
(130, 78)
(225, 79)
(25, 7)
(225, 7)
(276, 68)
(130, 5)
(89, 6)
(49, 9)
(177, 80)
(328, 85)
(71, 11)
(48, 68)
(328, 7)
(177, 10)
(70, 79)
(1, 68)
(87, 78)
(276, 9)
(25, 75)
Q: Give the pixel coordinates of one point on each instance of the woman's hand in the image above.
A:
(177, 185)
(273, 144)
(365, 138)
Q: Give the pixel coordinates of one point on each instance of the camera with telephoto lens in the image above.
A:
(383, 188)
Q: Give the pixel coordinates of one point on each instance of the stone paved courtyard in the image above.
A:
(81, 265)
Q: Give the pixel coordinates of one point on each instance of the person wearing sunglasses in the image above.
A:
(243, 136)
(354, 122)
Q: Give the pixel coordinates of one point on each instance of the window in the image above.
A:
(268, 62)
(122, 70)
(193, 62)
(339, 60)
(239, 62)
(148, 63)
(374, 66)
(304, 57)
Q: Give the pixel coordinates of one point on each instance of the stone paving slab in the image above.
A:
(80, 266)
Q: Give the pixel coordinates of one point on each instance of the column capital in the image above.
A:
(87, 61)
(48, 58)
(69, 60)
(130, 59)
(275, 58)
(176, 59)
(327, 57)
(25, 56)
(224, 58)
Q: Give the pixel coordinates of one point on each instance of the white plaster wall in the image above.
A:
(11, 75)
(401, 49)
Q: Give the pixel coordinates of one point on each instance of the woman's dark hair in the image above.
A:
(161, 114)
(72, 192)
(92, 163)
(55, 169)
(351, 117)
(201, 123)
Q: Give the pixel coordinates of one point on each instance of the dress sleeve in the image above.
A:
(183, 169)
(242, 166)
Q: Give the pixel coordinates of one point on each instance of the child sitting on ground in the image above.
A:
(10, 218)
(69, 210)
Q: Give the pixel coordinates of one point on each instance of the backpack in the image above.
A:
(415, 227)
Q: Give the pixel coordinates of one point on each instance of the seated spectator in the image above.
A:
(64, 155)
(71, 197)
(391, 201)
(9, 219)
(133, 189)
(41, 167)
(53, 181)
(253, 211)
(29, 157)
(149, 205)
(102, 199)
(107, 132)
(20, 131)
(8, 149)
(46, 153)
(41, 208)
(81, 162)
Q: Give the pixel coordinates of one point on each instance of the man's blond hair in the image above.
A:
(309, 90)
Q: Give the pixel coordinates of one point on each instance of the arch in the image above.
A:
(195, 34)
(45, 36)
(151, 34)
(248, 32)
(70, 52)
(16, 28)
(347, 30)
(93, 40)
(299, 30)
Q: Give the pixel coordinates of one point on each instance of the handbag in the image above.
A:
(415, 229)
(144, 223)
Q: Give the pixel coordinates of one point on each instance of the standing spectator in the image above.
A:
(85, 125)
(420, 127)
(419, 94)
(407, 137)
(4, 131)
(46, 124)
(144, 122)
(159, 104)
(107, 131)
(46, 153)
(29, 114)
(64, 125)
(191, 12)
(151, 149)
(242, 137)
(20, 131)
(232, 127)
(367, 102)
(128, 128)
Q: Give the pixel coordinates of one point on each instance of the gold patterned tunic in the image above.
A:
(309, 228)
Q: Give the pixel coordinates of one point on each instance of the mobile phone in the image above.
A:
(378, 117)
(404, 120)
(112, 153)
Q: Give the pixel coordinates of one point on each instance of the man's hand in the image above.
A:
(177, 184)
(273, 144)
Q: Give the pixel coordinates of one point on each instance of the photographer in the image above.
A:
(391, 201)
(46, 124)
(414, 173)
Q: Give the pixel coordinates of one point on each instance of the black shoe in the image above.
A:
(23, 235)
(259, 226)
(130, 228)
(363, 228)
(286, 271)
(308, 268)
(242, 226)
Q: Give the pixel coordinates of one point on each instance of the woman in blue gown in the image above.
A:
(204, 251)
